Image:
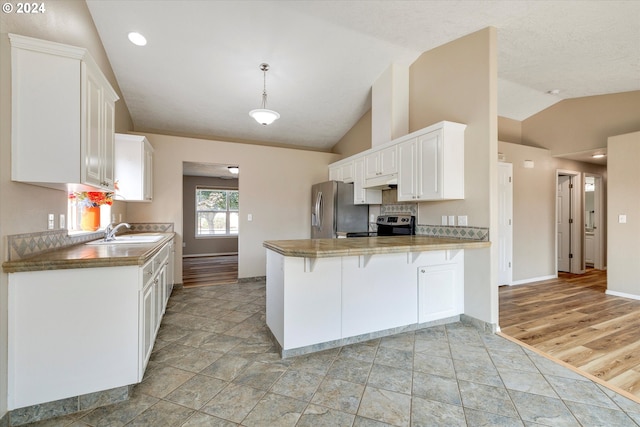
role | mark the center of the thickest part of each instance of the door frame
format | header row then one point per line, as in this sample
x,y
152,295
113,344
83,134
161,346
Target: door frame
x,y
598,234
507,168
576,266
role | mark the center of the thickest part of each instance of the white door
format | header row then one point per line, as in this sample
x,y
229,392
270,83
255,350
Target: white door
x,y
505,223
563,216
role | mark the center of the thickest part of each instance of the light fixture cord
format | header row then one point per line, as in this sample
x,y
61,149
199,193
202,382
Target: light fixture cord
x,y
264,90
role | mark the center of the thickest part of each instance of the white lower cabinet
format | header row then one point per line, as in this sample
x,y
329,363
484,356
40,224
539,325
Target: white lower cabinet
x,y
441,286
78,331
318,300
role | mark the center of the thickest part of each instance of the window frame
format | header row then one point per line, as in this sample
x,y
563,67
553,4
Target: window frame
x,y
228,212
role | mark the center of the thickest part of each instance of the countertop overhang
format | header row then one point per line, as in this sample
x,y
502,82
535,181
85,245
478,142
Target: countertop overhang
x,y
89,256
324,248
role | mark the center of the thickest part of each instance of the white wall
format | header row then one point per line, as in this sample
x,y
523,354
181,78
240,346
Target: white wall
x,y
623,268
275,187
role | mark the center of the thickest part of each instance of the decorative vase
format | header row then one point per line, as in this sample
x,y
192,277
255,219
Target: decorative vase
x,y
90,220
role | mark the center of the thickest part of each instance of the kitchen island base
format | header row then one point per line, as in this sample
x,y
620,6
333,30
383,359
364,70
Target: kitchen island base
x,y
318,303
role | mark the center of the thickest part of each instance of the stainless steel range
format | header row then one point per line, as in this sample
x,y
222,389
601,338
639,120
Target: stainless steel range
x,y
391,225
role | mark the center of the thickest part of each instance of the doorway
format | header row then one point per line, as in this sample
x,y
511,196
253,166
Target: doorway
x,y
593,221
210,223
569,230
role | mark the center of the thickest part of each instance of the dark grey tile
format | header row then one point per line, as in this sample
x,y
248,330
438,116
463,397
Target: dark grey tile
x,y
226,367
487,398
401,359
542,410
477,418
512,360
337,394
185,358
429,413
592,415
275,410
386,406
234,402
163,381
427,363
197,391
320,416
388,378
529,382
352,370
121,413
298,384
403,341
580,391
260,375
162,414
477,372
199,419
434,387
365,351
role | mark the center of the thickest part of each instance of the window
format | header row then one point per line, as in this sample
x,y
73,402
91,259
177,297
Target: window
x,y
216,212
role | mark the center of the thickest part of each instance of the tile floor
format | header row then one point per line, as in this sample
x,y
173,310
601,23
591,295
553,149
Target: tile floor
x,y
214,365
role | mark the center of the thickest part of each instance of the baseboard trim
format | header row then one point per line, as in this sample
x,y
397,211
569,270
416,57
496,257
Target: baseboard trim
x,y
533,279
622,294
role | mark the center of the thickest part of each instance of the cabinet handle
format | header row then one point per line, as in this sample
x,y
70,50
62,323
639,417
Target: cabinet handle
x,y
148,273
422,271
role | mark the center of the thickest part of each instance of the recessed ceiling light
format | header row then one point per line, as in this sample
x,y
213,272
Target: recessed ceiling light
x,y
137,39
553,91
598,156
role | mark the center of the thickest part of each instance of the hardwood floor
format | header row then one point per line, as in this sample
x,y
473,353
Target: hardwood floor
x,y
209,270
572,319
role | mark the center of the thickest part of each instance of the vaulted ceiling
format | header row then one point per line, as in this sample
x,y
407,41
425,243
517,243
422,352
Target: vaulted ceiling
x,y
199,73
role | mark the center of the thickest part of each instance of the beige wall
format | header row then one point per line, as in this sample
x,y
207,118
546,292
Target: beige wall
x,y
509,130
534,208
357,139
623,269
65,22
457,82
275,188
207,245
582,124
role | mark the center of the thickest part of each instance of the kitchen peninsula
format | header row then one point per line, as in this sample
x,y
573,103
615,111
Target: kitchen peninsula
x,y
323,293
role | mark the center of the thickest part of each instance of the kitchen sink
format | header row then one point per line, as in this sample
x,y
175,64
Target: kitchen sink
x,y
129,239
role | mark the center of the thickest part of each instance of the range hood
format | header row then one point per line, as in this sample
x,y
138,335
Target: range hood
x,y
381,182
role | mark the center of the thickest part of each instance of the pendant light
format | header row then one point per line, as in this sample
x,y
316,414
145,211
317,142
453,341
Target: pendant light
x,y
263,115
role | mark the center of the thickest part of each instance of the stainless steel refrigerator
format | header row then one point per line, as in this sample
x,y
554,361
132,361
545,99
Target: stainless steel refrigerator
x,y
333,211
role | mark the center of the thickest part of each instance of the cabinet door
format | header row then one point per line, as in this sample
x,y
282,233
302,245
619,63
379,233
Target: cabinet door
x,y
147,326
335,173
372,165
148,173
108,145
363,196
429,184
440,291
93,132
347,172
407,170
389,160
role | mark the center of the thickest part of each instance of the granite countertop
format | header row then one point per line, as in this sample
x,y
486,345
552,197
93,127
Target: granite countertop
x,y
89,256
323,248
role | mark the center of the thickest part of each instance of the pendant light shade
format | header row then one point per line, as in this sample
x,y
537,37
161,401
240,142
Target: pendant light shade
x,y
263,115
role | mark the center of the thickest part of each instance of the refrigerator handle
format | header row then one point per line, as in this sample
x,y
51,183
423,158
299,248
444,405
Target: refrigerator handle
x,y
315,215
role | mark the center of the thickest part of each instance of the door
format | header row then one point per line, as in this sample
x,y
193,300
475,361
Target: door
x,y
505,226
563,218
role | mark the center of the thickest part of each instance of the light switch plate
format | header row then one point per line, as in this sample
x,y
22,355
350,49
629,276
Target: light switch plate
x,y
622,219
444,220
462,220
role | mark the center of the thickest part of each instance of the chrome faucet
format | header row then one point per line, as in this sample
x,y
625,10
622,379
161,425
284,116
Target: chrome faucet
x,y
110,231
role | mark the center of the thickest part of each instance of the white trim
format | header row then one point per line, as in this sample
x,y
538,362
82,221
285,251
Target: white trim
x,y
533,279
622,294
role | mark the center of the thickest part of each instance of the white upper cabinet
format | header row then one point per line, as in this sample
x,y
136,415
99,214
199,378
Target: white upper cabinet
x,y
382,162
431,164
62,117
134,168
361,195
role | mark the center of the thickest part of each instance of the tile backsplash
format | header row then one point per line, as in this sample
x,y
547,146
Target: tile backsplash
x,y
451,232
29,244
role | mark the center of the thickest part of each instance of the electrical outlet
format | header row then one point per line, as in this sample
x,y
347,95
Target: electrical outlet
x,y
462,220
249,217
452,220
50,222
